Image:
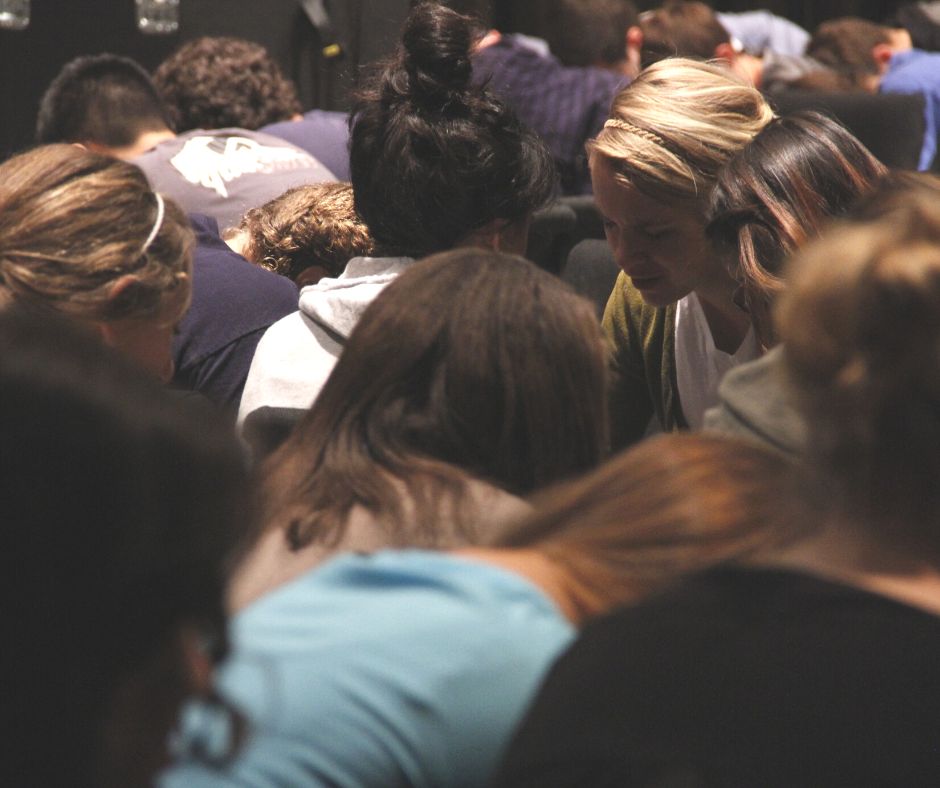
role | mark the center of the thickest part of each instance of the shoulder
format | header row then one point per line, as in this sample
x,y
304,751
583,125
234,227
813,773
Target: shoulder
x,y
290,365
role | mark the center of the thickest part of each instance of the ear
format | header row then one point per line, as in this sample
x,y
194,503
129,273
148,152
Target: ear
x,y
121,285
634,40
881,54
725,51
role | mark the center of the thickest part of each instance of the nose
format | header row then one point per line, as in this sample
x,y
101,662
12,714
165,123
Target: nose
x,y
629,251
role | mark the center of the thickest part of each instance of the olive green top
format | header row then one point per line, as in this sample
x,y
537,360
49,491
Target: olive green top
x,y
644,384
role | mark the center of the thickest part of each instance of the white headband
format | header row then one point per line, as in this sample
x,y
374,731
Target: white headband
x,y
157,223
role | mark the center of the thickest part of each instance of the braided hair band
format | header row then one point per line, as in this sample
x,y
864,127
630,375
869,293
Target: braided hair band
x,y
626,125
157,223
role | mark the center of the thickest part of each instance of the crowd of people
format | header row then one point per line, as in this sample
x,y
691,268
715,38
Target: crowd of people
x,y
313,479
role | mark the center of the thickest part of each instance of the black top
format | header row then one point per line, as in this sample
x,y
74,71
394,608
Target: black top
x,y
741,677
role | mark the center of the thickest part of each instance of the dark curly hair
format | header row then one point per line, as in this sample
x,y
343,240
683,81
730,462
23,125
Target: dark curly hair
x,y
434,157
217,82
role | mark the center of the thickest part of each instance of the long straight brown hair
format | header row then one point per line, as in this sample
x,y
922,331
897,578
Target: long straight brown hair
x,y
471,364
669,506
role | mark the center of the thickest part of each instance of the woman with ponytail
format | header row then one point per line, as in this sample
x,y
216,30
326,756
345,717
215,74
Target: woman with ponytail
x,y
436,162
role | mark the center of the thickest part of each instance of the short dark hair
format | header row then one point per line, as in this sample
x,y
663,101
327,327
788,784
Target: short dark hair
x,y
590,32
123,511
434,157
105,99
472,363
680,28
217,82
846,44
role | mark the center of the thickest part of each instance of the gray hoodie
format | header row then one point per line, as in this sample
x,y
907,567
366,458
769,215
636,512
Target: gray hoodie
x,y
296,355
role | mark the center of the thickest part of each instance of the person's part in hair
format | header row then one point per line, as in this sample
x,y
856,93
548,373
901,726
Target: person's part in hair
x,y
654,163
493,619
84,235
129,509
442,382
870,394
591,32
234,303
781,190
222,82
305,234
105,102
434,158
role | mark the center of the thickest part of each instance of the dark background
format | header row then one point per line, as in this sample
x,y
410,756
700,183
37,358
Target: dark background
x,y
366,29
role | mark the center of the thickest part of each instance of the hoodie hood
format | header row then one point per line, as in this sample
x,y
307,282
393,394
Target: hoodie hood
x,y
337,304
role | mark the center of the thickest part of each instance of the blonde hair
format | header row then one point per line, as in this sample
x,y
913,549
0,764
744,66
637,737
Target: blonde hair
x,y
673,127
73,223
860,320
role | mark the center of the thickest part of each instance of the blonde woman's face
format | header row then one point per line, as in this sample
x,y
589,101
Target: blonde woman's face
x,y
661,247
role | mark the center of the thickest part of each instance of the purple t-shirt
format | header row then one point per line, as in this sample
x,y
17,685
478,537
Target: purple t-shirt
x,y
565,105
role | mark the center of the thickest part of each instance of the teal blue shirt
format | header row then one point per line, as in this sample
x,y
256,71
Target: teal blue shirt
x,y
400,668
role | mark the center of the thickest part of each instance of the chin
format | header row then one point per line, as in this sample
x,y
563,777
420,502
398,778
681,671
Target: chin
x,y
660,294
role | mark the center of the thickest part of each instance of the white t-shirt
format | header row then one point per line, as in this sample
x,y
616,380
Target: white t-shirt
x,y
700,366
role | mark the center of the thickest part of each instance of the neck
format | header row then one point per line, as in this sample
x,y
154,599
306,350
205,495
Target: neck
x,y
846,555
727,323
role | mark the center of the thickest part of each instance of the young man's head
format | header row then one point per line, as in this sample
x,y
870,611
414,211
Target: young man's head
x,y
217,82
679,28
105,102
857,48
591,32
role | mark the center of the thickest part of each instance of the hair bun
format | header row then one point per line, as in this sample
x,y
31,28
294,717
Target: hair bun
x,y
436,54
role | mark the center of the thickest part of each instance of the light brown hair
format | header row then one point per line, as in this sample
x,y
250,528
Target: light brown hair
x,y
471,364
667,507
74,223
306,226
861,325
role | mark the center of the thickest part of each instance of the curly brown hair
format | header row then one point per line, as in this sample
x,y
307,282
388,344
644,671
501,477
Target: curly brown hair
x,y
217,82
306,226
